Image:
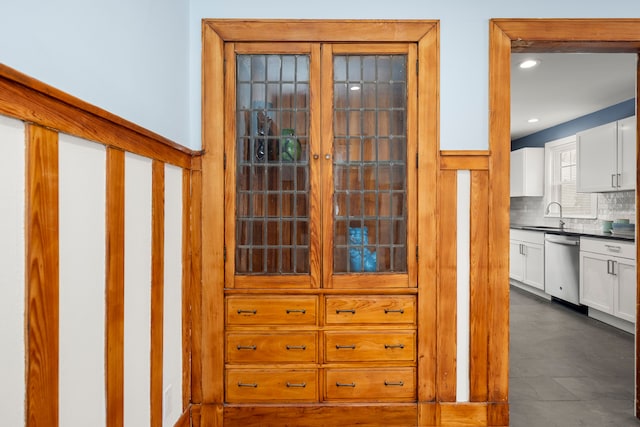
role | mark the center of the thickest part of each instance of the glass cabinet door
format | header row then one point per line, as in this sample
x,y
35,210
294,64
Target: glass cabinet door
x,y
370,161
272,215
335,206
369,220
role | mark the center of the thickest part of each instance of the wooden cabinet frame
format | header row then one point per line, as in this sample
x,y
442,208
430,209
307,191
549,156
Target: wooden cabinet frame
x,y
217,121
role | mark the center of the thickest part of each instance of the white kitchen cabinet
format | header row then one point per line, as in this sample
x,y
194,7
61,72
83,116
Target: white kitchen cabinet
x,y
606,157
527,172
608,277
526,262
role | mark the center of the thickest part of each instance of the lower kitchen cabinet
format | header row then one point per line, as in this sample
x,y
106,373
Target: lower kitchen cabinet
x,y
608,277
526,252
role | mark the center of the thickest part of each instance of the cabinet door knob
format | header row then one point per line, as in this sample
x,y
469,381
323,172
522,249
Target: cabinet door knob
x,y
327,156
246,347
254,385
345,384
302,385
401,346
346,347
296,347
316,156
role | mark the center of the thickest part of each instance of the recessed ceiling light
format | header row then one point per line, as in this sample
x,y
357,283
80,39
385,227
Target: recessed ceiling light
x,y
529,63
533,120
355,87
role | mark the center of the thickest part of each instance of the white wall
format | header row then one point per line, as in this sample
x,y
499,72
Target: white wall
x,y
127,57
464,45
145,54
82,383
12,274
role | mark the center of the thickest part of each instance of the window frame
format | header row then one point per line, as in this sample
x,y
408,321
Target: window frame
x,y
552,149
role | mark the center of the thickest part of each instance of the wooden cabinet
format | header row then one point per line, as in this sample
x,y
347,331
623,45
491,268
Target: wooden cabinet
x,y
606,157
608,277
320,225
526,257
527,172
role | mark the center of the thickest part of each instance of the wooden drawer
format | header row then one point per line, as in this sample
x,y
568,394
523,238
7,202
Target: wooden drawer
x,y
280,347
271,385
349,310
285,310
371,384
369,346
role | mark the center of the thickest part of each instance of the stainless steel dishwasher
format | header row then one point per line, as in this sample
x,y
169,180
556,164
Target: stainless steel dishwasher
x,y
562,267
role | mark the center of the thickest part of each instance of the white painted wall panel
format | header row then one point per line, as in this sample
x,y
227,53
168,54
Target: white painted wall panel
x,y
172,343
463,291
12,283
82,282
137,291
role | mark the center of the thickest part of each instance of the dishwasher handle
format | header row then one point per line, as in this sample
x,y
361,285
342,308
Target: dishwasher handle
x,y
562,240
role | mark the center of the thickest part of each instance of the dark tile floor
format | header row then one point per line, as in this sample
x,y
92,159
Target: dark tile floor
x,y
567,369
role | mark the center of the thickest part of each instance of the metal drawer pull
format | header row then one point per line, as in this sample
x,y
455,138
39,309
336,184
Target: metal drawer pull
x,y
345,384
613,248
247,311
348,347
352,311
254,385
387,311
394,346
302,311
391,383
296,347
246,347
302,385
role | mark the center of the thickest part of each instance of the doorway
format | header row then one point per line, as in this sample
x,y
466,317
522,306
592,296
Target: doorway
x,y
546,35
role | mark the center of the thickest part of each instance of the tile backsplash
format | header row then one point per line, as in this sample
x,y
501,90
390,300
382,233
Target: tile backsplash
x,y
530,211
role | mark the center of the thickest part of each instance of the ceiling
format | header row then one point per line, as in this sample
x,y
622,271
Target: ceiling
x,y
565,86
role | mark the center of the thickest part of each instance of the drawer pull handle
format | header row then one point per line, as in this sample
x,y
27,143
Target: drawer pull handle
x,y
301,385
352,311
253,385
301,311
388,310
346,347
612,248
345,384
296,347
391,383
246,347
394,346
250,312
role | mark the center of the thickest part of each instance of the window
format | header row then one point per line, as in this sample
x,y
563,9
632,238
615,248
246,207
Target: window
x,y
560,181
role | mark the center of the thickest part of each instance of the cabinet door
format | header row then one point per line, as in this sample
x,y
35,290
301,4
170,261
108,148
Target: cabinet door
x,y
368,170
597,158
516,260
625,291
596,287
534,265
516,188
627,154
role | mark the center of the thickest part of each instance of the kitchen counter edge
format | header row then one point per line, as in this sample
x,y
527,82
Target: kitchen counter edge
x,y
571,232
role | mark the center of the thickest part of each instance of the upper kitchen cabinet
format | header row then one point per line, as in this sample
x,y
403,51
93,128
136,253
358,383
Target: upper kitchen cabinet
x,y
607,158
527,172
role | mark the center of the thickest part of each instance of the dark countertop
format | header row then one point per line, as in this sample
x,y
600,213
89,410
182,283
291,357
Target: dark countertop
x,y
572,232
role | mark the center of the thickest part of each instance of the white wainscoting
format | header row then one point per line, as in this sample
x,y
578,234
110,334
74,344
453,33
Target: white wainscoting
x,y
463,289
12,273
172,340
82,175
137,291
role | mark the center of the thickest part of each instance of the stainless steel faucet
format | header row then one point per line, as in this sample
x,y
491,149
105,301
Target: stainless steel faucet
x,y
559,206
